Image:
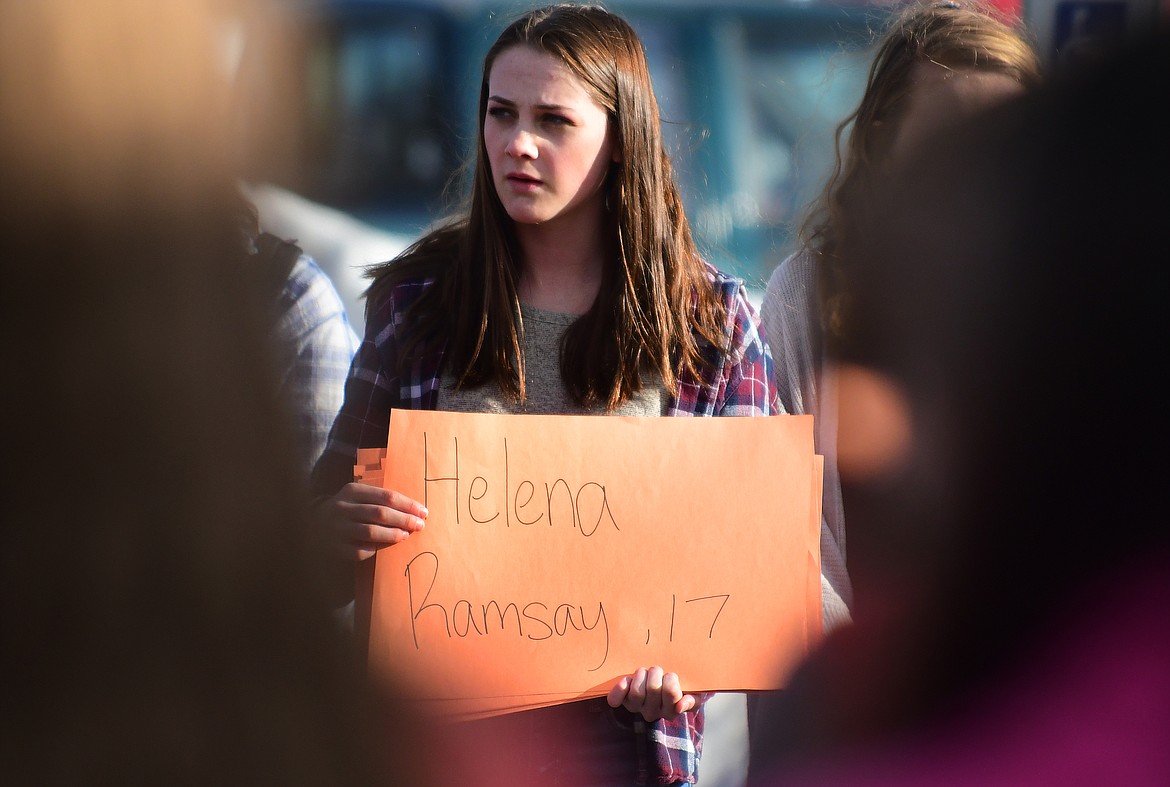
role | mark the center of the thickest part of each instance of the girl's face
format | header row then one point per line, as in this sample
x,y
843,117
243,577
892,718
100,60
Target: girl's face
x,y
548,141
942,97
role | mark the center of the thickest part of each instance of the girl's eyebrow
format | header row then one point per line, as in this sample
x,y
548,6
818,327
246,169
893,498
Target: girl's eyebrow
x,y
541,107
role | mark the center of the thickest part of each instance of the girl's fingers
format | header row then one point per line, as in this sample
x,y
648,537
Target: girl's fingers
x,y
617,695
671,690
652,692
636,696
364,494
366,518
378,516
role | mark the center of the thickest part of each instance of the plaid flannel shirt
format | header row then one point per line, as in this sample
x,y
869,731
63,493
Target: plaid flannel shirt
x,y
315,346
738,382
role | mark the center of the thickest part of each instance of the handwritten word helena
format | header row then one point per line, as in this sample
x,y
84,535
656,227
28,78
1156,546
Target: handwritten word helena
x,y
589,505
464,618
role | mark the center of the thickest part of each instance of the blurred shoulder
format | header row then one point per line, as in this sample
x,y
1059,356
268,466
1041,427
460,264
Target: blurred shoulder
x,y
793,279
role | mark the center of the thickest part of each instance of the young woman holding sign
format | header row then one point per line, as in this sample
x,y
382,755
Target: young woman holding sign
x,y
569,285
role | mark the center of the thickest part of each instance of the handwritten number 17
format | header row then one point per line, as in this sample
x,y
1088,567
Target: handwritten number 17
x,y
722,598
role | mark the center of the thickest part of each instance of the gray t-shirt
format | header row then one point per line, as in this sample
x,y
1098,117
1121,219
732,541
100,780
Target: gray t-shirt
x,y
546,392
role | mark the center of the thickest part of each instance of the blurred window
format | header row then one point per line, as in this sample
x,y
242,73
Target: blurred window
x,y
805,81
750,101
378,118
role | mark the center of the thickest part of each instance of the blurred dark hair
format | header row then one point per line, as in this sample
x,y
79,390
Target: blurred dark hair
x,y
1011,284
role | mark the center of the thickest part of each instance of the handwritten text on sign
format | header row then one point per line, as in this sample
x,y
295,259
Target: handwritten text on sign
x,y
562,552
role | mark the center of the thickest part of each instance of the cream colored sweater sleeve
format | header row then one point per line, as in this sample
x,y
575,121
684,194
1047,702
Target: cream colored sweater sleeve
x,y
791,316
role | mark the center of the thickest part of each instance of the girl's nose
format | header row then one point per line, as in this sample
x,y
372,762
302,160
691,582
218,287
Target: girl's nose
x,y
522,145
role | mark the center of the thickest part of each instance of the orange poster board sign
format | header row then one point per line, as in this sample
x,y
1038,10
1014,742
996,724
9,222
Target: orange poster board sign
x,y
563,552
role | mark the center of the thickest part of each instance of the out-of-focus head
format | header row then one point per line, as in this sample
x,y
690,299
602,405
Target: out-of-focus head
x,y
937,58
941,98
938,63
92,92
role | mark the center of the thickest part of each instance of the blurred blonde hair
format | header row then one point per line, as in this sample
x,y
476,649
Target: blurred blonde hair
x,y
90,91
960,35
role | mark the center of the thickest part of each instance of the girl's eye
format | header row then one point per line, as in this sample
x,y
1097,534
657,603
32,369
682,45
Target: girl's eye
x,y
557,120
500,113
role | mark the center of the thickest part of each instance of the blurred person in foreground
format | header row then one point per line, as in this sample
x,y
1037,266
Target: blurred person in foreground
x,y
1004,441
937,63
161,602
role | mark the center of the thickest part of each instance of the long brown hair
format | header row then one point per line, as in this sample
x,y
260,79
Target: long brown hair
x,y
958,35
655,301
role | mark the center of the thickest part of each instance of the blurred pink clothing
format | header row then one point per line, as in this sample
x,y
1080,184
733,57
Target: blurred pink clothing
x,y
1092,708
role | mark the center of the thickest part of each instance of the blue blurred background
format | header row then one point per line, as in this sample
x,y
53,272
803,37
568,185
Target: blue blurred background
x,y
376,101
380,99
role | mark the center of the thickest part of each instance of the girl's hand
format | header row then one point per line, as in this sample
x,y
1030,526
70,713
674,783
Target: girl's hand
x,y
363,519
653,693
